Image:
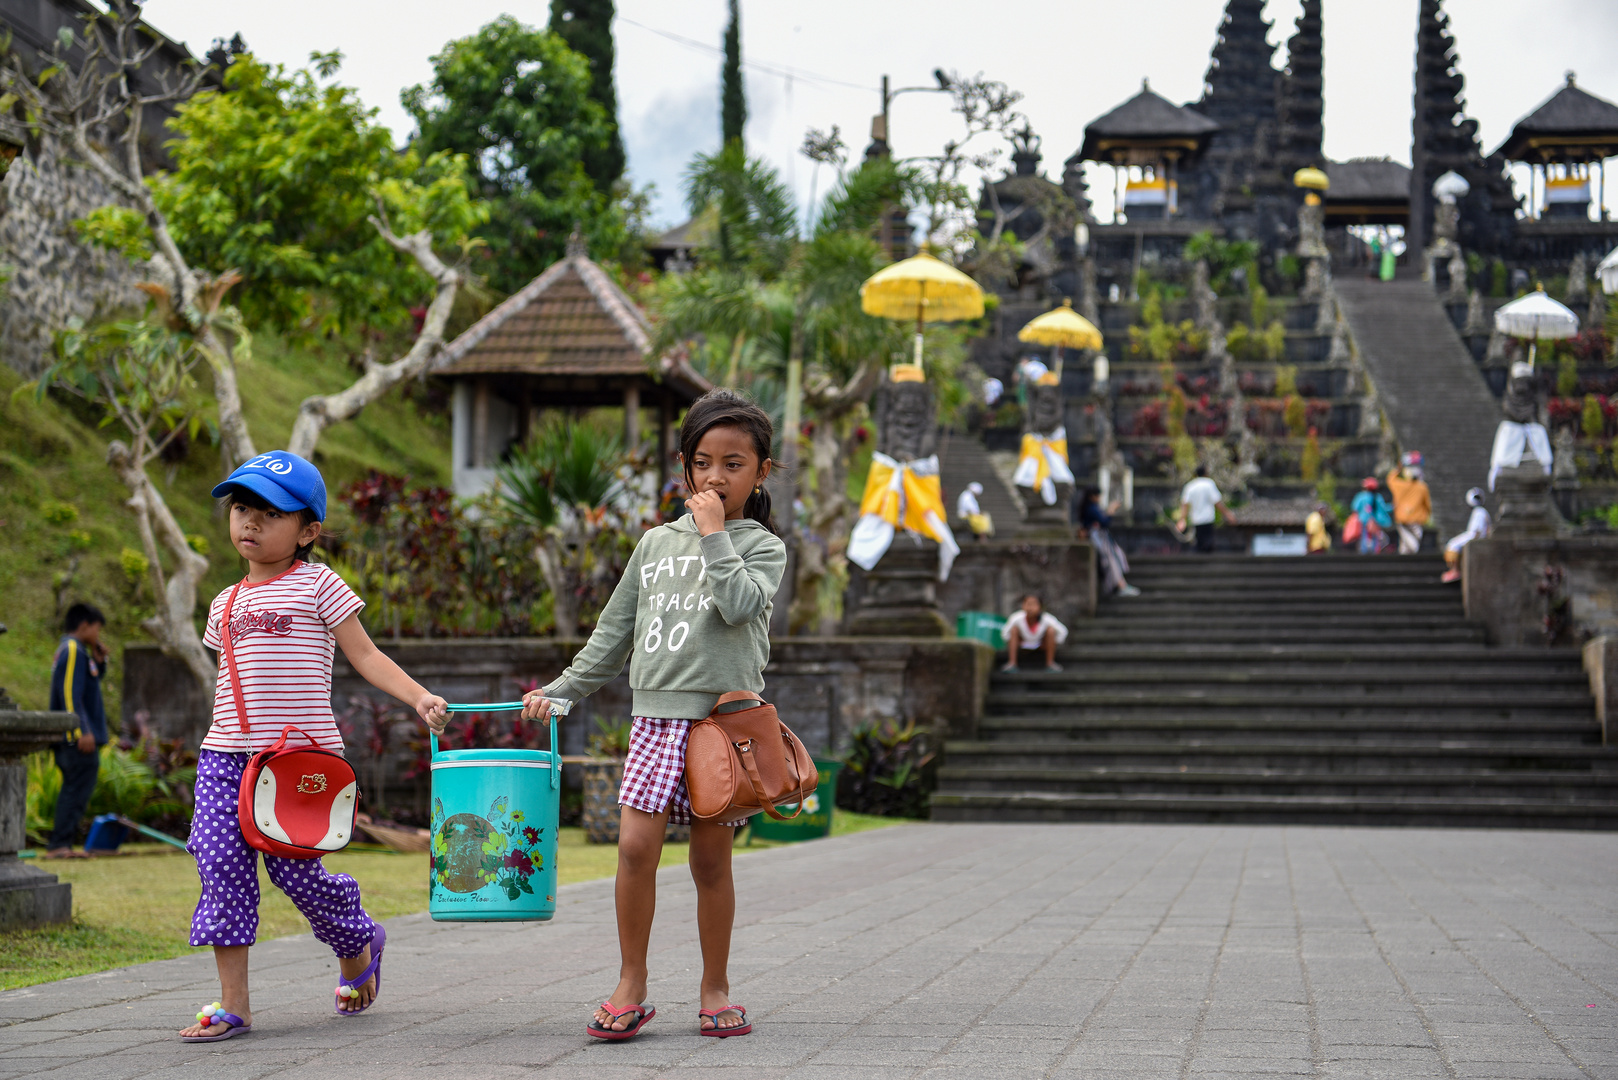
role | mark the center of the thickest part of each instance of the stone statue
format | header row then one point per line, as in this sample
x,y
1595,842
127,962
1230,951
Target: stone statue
x,y
899,595
1312,248
1044,412
1578,280
1045,499
1520,428
906,420
1565,469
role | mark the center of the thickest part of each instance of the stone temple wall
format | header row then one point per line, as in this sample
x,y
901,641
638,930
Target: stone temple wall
x,y
54,275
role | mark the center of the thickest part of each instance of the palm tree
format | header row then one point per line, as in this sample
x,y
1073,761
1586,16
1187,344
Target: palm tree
x,y
775,300
561,483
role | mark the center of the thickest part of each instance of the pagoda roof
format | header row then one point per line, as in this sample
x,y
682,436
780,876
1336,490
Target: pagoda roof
x,y
1571,125
571,321
1367,180
1145,120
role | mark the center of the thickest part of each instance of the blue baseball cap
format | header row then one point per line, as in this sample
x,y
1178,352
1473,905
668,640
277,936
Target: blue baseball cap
x,y
285,481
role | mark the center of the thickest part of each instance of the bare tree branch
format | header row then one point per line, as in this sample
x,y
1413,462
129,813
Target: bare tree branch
x,y
318,413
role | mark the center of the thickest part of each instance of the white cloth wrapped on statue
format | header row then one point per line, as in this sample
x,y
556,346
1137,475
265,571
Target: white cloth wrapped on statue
x,y
1510,439
1042,463
906,495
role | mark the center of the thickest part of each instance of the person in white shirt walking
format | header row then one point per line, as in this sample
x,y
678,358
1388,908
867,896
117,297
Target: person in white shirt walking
x,y
1033,628
1202,504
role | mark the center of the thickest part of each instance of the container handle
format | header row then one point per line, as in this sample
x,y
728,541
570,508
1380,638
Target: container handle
x,y
557,709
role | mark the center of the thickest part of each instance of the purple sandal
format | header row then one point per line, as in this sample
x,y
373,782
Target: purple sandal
x,y
379,941
212,1016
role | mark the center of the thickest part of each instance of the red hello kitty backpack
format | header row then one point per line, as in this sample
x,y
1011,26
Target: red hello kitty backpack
x,y
298,802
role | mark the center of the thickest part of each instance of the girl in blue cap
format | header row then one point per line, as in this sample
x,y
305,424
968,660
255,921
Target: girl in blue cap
x,y
285,619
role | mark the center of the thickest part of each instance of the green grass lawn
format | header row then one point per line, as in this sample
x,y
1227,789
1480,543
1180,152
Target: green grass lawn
x,y
137,906
53,452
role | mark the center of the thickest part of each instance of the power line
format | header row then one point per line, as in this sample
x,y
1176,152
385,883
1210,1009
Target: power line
x,y
778,70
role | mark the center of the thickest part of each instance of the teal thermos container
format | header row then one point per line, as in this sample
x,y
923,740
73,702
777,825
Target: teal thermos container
x,y
494,822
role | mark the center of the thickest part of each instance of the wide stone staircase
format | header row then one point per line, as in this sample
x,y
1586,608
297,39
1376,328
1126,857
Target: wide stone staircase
x,y
1428,384
1337,689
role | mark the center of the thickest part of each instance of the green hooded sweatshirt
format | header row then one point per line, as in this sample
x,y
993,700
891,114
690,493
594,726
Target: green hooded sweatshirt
x,y
692,616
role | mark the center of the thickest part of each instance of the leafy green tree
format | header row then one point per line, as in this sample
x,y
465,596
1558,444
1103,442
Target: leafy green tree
x,y
277,178
586,26
787,310
733,94
749,212
141,374
517,102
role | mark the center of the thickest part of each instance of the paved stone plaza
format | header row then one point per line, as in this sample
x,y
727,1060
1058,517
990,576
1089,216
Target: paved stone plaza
x,y
960,951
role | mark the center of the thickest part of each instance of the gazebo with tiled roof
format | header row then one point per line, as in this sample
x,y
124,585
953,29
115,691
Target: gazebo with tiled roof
x,y
569,339
1565,140
1154,134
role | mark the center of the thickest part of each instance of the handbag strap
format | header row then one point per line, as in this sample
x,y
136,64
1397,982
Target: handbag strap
x,y
745,751
737,695
242,726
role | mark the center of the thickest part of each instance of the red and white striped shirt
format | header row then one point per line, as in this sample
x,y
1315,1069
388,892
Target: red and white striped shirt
x,y
282,636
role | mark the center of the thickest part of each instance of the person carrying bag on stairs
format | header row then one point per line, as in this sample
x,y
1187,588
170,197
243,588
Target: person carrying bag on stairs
x,y
691,616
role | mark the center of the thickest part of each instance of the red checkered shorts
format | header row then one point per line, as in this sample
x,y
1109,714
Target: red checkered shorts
x,y
654,774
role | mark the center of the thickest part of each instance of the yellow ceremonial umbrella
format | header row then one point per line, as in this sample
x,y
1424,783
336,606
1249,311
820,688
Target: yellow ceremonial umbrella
x,y
1061,328
923,288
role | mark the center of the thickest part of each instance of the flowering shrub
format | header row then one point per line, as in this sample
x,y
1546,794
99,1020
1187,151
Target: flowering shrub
x,y
428,568
1268,416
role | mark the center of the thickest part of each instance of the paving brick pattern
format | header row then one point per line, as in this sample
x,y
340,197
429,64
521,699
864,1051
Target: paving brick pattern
x,y
961,952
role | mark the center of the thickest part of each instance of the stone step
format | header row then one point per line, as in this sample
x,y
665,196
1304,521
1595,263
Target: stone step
x,y
1240,612
1118,631
1328,653
1176,728
1415,783
1428,384
1217,589
1459,753
1482,702
1083,678
1307,809
1306,565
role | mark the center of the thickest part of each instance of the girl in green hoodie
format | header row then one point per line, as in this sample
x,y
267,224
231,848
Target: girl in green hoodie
x,y
692,617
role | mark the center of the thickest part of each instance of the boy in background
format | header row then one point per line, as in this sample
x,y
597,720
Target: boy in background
x,y
81,661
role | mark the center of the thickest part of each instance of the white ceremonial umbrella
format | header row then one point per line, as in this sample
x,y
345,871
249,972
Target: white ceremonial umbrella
x,y
1608,272
1538,318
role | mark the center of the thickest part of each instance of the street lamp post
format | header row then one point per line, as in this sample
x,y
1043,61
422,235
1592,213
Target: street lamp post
x,y
881,147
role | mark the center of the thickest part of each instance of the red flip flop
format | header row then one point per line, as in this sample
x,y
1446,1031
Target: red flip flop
x,y
644,1014
723,1033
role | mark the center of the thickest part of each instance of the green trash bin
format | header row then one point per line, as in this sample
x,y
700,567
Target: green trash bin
x,y
984,626
815,821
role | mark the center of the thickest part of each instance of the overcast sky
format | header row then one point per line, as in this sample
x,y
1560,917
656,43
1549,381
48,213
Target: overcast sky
x,y
818,64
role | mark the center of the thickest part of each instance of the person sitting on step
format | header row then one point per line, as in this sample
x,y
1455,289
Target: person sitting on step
x,y
1033,628
1477,527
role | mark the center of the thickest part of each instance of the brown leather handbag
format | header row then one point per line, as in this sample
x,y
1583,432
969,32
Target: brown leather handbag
x,y
739,763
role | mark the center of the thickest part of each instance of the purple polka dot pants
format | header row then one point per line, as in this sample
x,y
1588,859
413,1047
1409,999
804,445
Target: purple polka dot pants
x,y
227,912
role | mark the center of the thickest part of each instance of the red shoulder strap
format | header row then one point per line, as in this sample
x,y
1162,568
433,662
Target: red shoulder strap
x,y
230,662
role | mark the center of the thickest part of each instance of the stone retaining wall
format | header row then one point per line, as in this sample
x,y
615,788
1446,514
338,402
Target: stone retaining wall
x,y
55,276
824,688
993,575
1503,574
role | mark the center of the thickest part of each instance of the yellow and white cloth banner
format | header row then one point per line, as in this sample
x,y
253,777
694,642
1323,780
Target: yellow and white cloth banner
x,y
1043,463
908,495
